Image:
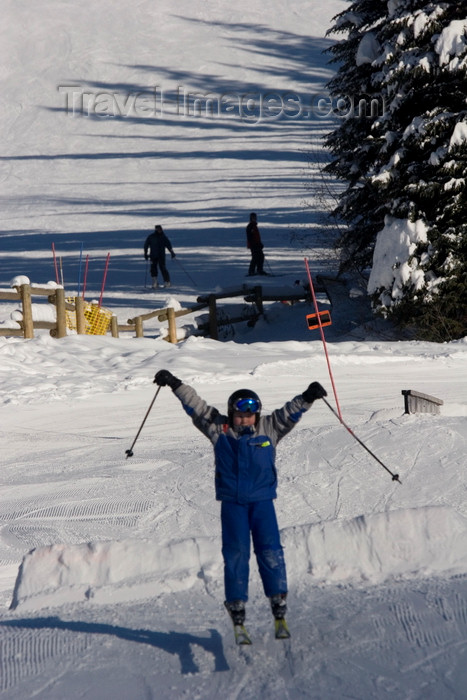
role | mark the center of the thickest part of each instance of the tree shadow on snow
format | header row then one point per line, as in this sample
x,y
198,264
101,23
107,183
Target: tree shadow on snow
x,y
176,643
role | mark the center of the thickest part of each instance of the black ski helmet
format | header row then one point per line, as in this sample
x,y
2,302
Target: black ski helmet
x,y
241,395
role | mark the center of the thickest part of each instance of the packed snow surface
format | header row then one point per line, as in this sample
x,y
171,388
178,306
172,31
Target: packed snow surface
x,y
110,567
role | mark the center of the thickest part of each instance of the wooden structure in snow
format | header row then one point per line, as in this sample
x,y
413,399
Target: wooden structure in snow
x,y
416,402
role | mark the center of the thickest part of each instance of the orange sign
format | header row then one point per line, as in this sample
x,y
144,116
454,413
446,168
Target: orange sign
x,y
313,321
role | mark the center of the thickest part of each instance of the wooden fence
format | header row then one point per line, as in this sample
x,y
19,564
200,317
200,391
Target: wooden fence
x,y
66,308
24,293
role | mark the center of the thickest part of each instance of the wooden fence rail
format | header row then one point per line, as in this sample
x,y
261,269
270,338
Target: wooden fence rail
x,y
64,305
27,324
24,293
169,314
58,328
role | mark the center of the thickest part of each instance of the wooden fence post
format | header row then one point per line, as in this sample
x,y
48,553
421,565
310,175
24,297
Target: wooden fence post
x,y
172,325
61,312
213,317
259,299
139,327
80,319
28,326
114,326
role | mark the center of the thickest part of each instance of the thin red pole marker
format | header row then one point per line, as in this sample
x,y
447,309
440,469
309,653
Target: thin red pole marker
x,y
105,276
338,414
315,303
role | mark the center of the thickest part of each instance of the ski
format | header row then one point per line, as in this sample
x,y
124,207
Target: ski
x,y
281,629
269,274
241,635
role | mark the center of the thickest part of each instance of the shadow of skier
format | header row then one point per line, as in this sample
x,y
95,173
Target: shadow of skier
x,y
176,643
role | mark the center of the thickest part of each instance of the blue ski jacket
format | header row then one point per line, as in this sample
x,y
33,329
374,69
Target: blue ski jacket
x,y
245,469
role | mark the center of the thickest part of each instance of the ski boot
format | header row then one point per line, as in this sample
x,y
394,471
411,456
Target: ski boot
x,y
279,605
279,608
236,610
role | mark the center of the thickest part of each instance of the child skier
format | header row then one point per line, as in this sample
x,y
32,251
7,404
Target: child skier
x,y
245,480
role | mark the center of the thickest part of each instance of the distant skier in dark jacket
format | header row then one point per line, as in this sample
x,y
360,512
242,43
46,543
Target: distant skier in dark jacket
x,y
245,480
255,244
154,248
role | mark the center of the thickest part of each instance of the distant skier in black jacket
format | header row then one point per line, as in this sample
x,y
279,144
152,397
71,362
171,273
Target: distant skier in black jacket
x,y
154,248
254,243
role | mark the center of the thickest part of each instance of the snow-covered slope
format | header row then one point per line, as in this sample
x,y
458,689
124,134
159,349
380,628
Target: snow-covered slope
x,y
102,136
110,568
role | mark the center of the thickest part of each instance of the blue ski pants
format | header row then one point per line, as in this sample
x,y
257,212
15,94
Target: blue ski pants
x,y
238,521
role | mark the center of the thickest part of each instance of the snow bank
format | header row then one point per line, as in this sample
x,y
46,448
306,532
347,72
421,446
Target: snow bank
x,y
373,548
411,542
395,245
112,571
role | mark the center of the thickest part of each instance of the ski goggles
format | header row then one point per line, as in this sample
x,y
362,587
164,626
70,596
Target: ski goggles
x,y
247,406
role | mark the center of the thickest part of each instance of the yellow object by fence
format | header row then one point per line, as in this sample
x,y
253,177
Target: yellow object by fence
x,y
96,319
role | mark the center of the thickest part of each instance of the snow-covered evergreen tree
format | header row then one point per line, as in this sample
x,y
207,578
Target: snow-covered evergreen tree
x,y
405,166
